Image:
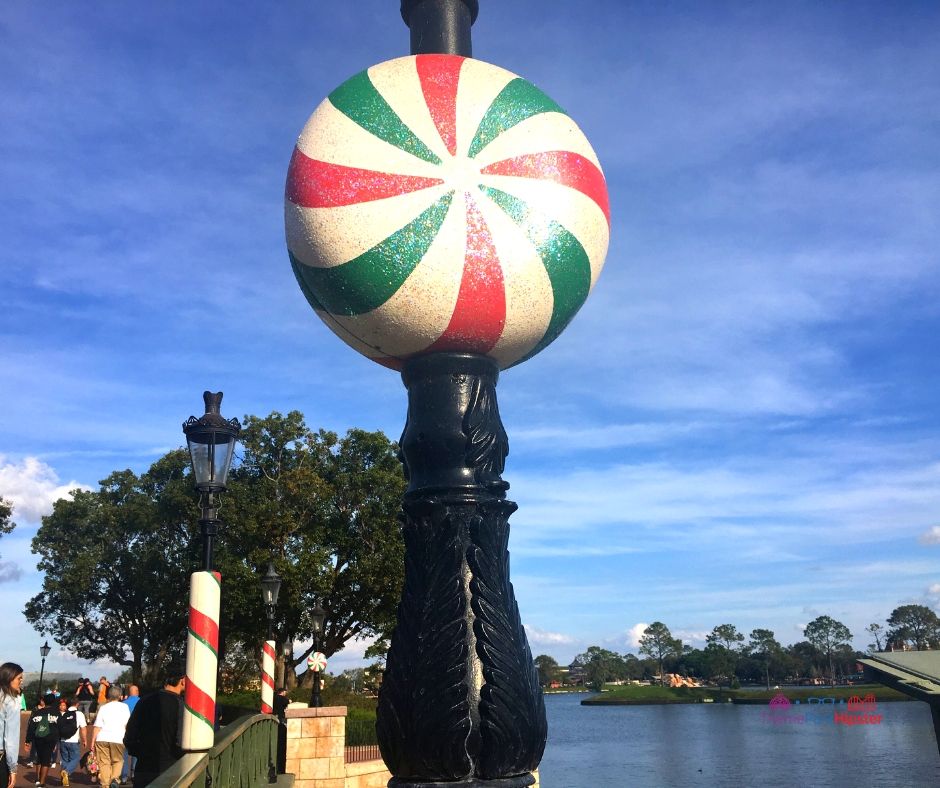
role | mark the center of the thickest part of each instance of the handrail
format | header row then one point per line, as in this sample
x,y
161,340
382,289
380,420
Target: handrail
x,y
221,766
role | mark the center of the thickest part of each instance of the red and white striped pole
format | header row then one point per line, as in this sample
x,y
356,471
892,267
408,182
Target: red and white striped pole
x,y
267,677
202,662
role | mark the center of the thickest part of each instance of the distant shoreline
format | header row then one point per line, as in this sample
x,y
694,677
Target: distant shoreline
x,y
663,696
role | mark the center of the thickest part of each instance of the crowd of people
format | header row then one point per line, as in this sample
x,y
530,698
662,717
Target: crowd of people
x,y
111,732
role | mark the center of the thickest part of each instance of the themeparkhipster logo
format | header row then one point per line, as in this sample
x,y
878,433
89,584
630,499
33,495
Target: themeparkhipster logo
x,y
859,711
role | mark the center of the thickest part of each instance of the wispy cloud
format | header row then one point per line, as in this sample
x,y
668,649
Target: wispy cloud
x,y
541,637
931,535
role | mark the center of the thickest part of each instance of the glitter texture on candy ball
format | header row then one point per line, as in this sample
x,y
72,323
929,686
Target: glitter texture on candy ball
x,y
439,203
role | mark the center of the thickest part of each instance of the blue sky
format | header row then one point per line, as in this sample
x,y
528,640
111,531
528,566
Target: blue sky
x,y
740,426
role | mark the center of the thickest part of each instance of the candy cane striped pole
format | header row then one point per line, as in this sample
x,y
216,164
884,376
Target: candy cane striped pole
x,y
202,662
267,677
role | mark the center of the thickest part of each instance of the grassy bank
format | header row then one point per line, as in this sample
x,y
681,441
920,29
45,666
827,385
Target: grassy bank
x,y
238,704
641,695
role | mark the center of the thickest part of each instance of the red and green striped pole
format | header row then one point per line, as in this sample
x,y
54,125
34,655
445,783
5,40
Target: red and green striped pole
x,y
202,662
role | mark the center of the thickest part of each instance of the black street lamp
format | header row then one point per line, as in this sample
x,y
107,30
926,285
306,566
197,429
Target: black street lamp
x,y
211,441
317,615
270,588
44,650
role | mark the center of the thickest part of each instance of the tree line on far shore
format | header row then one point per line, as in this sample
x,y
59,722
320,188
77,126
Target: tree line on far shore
x,y
731,658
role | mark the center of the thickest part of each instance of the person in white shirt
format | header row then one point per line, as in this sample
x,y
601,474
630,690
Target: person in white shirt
x,y
107,738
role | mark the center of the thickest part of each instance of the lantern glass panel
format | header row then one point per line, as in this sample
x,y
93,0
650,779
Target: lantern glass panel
x,y
211,453
270,586
316,620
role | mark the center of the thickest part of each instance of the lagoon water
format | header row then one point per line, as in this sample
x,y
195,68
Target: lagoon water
x,y
736,746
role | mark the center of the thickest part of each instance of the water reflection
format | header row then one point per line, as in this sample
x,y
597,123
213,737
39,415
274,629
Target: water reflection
x,y
729,745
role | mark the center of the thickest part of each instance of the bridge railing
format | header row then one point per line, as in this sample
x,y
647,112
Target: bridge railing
x,y
244,756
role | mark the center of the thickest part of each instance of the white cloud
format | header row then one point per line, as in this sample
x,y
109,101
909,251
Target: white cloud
x,y
32,486
542,637
635,633
934,589
931,536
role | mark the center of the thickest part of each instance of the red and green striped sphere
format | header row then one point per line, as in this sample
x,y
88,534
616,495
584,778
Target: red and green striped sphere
x,y
439,203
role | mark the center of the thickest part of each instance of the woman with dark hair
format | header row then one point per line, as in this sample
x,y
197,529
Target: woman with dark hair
x,y
11,681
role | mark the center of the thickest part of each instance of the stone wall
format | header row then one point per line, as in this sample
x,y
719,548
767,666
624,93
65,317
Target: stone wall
x,y
316,741
316,748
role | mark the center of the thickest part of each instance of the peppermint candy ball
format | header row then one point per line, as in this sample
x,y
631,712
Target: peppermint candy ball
x,y
439,203
317,661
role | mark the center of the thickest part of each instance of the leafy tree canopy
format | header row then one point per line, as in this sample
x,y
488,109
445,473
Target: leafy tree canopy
x,y
548,668
6,517
914,625
322,508
829,636
658,643
601,665
116,564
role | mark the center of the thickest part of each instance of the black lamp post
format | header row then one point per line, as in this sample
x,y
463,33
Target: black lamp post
x,y
44,650
317,615
211,441
270,588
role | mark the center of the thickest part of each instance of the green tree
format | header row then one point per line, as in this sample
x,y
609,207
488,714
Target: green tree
x,y
724,644
877,631
116,563
6,526
916,625
325,510
600,666
6,517
765,647
548,668
827,635
117,560
658,643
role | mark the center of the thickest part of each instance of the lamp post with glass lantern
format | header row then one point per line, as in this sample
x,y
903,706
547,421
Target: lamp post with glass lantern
x,y
270,587
317,660
211,442
44,650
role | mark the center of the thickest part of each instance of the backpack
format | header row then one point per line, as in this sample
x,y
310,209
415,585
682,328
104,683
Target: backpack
x,y
68,725
43,728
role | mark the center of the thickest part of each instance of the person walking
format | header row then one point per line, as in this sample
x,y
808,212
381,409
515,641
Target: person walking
x,y
127,772
11,683
153,731
43,733
85,697
72,725
107,738
103,685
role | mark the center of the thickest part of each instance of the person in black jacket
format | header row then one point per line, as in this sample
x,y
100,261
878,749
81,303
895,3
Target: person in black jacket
x,y
43,733
152,734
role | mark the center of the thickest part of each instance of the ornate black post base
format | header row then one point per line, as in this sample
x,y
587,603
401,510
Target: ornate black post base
x,y
460,702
